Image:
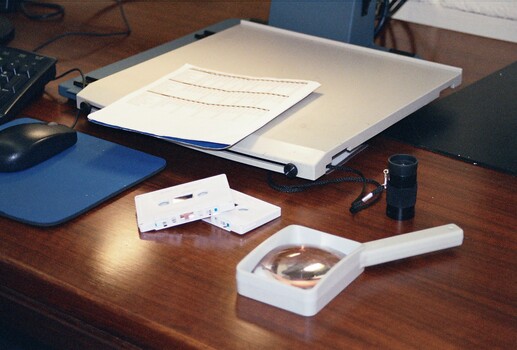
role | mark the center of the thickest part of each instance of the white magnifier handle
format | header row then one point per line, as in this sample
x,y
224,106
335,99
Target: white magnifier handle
x,y
411,244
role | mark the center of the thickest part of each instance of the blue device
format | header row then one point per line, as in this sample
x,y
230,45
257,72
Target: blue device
x,y
350,21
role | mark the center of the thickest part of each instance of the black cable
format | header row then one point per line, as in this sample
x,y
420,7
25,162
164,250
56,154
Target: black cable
x,y
127,31
386,9
54,10
382,17
70,71
84,108
395,6
363,201
367,201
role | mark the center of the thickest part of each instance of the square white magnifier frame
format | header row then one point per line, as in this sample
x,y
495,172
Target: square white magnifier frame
x,y
253,283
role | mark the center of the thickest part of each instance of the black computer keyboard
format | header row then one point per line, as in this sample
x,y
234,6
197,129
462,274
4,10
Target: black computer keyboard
x,y
23,76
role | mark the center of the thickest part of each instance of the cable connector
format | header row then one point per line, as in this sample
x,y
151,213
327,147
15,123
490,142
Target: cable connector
x,y
362,203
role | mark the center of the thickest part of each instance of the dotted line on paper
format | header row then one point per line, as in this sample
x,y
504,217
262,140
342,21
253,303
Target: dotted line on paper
x,y
230,91
208,104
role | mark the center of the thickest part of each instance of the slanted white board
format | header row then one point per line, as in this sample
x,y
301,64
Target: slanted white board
x,y
363,91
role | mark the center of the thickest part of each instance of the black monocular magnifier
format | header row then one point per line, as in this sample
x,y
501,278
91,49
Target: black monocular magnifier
x,y
401,187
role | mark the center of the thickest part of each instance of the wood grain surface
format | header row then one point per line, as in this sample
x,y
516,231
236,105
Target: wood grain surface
x,y
95,282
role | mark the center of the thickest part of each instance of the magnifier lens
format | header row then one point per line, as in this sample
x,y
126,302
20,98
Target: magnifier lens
x,y
299,266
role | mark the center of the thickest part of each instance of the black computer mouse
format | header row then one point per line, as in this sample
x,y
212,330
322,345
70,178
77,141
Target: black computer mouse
x,y
25,145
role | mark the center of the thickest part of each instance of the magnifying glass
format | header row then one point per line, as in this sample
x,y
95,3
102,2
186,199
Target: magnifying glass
x,y
300,269
299,266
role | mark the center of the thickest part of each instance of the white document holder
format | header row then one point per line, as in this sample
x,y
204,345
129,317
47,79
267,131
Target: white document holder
x,y
363,91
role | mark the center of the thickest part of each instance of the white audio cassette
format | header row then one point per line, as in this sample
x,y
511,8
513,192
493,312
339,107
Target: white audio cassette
x,y
183,203
248,214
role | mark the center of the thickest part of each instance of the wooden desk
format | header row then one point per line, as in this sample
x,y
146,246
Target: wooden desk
x,y
94,283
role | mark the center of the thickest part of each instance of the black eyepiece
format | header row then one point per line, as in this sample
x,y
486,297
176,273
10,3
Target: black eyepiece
x,y
401,187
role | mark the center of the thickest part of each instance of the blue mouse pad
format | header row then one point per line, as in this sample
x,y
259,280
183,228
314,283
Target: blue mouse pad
x,y
74,181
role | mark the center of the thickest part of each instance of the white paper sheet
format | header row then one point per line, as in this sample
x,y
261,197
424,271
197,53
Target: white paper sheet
x,y
204,108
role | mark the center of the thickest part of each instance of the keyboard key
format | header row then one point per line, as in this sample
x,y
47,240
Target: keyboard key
x,y
23,76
